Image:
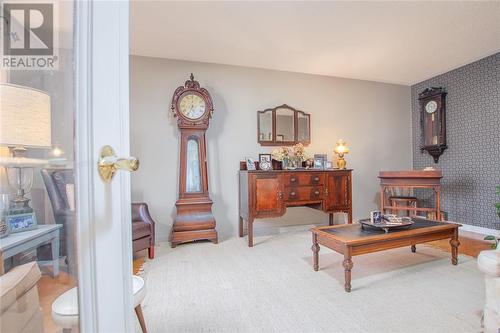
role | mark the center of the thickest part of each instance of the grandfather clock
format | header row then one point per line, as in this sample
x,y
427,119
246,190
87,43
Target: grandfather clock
x,y
433,121
193,108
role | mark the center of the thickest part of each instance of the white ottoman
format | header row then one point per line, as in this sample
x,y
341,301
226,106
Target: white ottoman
x,y
489,263
65,307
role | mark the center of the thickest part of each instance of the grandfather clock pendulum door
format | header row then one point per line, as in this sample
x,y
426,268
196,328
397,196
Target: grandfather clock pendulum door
x,y
193,108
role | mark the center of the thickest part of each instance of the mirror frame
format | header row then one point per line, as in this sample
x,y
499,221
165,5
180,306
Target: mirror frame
x,y
273,142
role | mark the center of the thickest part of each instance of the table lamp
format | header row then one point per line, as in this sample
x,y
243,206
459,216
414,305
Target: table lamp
x,y
24,123
341,149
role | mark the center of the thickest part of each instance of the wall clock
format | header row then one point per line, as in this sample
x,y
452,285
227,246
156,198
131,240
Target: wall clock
x,y
433,121
193,108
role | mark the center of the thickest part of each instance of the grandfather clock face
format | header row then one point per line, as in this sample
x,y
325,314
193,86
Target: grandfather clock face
x,y
432,103
192,105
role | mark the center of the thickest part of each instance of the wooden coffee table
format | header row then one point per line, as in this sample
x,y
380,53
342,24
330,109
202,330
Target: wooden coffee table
x,y
351,240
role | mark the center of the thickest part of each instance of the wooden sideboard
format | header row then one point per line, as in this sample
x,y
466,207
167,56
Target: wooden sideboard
x,y
264,194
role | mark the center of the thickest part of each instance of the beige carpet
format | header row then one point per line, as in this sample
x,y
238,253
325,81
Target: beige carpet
x,y
272,288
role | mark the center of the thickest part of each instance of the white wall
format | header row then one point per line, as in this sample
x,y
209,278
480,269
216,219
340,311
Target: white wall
x,y
374,119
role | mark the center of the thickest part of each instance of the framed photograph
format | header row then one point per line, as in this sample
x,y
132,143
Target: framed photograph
x,y
21,222
265,162
375,216
319,161
250,163
328,165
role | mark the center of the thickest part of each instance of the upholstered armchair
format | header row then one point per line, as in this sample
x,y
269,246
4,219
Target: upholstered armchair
x,y
143,229
19,303
60,188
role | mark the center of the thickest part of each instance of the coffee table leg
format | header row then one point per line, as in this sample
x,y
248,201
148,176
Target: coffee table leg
x,y
54,246
347,268
315,249
454,242
413,248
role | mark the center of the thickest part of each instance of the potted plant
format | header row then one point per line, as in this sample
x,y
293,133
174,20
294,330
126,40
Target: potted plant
x,y
497,205
491,237
282,154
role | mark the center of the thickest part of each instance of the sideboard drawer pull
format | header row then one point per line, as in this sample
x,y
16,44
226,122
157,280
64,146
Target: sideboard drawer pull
x,y
316,192
292,194
293,180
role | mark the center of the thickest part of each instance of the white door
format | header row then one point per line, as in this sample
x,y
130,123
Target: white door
x,y
87,97
102,118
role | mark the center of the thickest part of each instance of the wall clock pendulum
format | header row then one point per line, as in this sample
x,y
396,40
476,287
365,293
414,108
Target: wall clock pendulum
x,y
193,108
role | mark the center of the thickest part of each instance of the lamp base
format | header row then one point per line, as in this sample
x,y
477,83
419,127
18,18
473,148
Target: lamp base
x,y
341,163
20,205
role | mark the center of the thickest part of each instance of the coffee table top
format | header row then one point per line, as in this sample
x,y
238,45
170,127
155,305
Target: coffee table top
x,y
351,234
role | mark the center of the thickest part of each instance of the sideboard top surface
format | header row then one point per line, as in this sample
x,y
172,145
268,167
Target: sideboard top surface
x,y
296,170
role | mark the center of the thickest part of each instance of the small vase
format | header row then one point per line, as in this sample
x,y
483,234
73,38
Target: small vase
x,y
285,163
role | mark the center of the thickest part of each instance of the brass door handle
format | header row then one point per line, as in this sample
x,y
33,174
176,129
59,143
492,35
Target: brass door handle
x,y
109,163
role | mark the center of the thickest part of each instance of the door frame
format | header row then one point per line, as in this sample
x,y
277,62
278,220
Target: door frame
x,y
104,277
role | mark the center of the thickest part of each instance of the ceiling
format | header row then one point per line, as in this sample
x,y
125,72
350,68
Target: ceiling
x,y
401,42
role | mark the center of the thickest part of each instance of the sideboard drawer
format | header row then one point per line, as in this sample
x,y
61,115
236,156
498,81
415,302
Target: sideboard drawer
x,y
304,178
304,193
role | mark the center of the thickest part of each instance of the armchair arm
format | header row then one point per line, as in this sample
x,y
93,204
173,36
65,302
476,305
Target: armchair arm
x,y
140,213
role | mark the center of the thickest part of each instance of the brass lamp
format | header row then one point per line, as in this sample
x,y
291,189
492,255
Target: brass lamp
x,y
341,149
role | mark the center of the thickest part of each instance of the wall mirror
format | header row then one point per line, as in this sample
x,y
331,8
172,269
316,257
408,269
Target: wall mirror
x,y
283,126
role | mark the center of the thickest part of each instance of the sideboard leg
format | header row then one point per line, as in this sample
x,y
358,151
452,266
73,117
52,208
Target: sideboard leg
x,y
250,232
413,248
330,219
315,249
240,227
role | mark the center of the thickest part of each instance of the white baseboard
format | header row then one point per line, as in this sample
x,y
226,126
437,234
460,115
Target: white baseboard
x,y
479,230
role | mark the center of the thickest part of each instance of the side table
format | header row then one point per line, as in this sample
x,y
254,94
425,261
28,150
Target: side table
x,y
31,239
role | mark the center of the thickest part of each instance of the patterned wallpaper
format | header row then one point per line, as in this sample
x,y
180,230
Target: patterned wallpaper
x,y
471,164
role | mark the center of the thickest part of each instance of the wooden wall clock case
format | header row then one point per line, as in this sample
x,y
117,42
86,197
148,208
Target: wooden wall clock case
x,y
193,108
433,121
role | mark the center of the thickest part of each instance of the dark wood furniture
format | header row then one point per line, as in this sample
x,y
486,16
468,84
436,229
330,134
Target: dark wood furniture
x,y
193,108
283,126
402,201
351,240
143,229
433,121
411,179
56,182
264,194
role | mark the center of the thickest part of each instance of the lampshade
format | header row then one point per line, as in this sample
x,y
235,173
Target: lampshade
x,y
24,117
341,147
